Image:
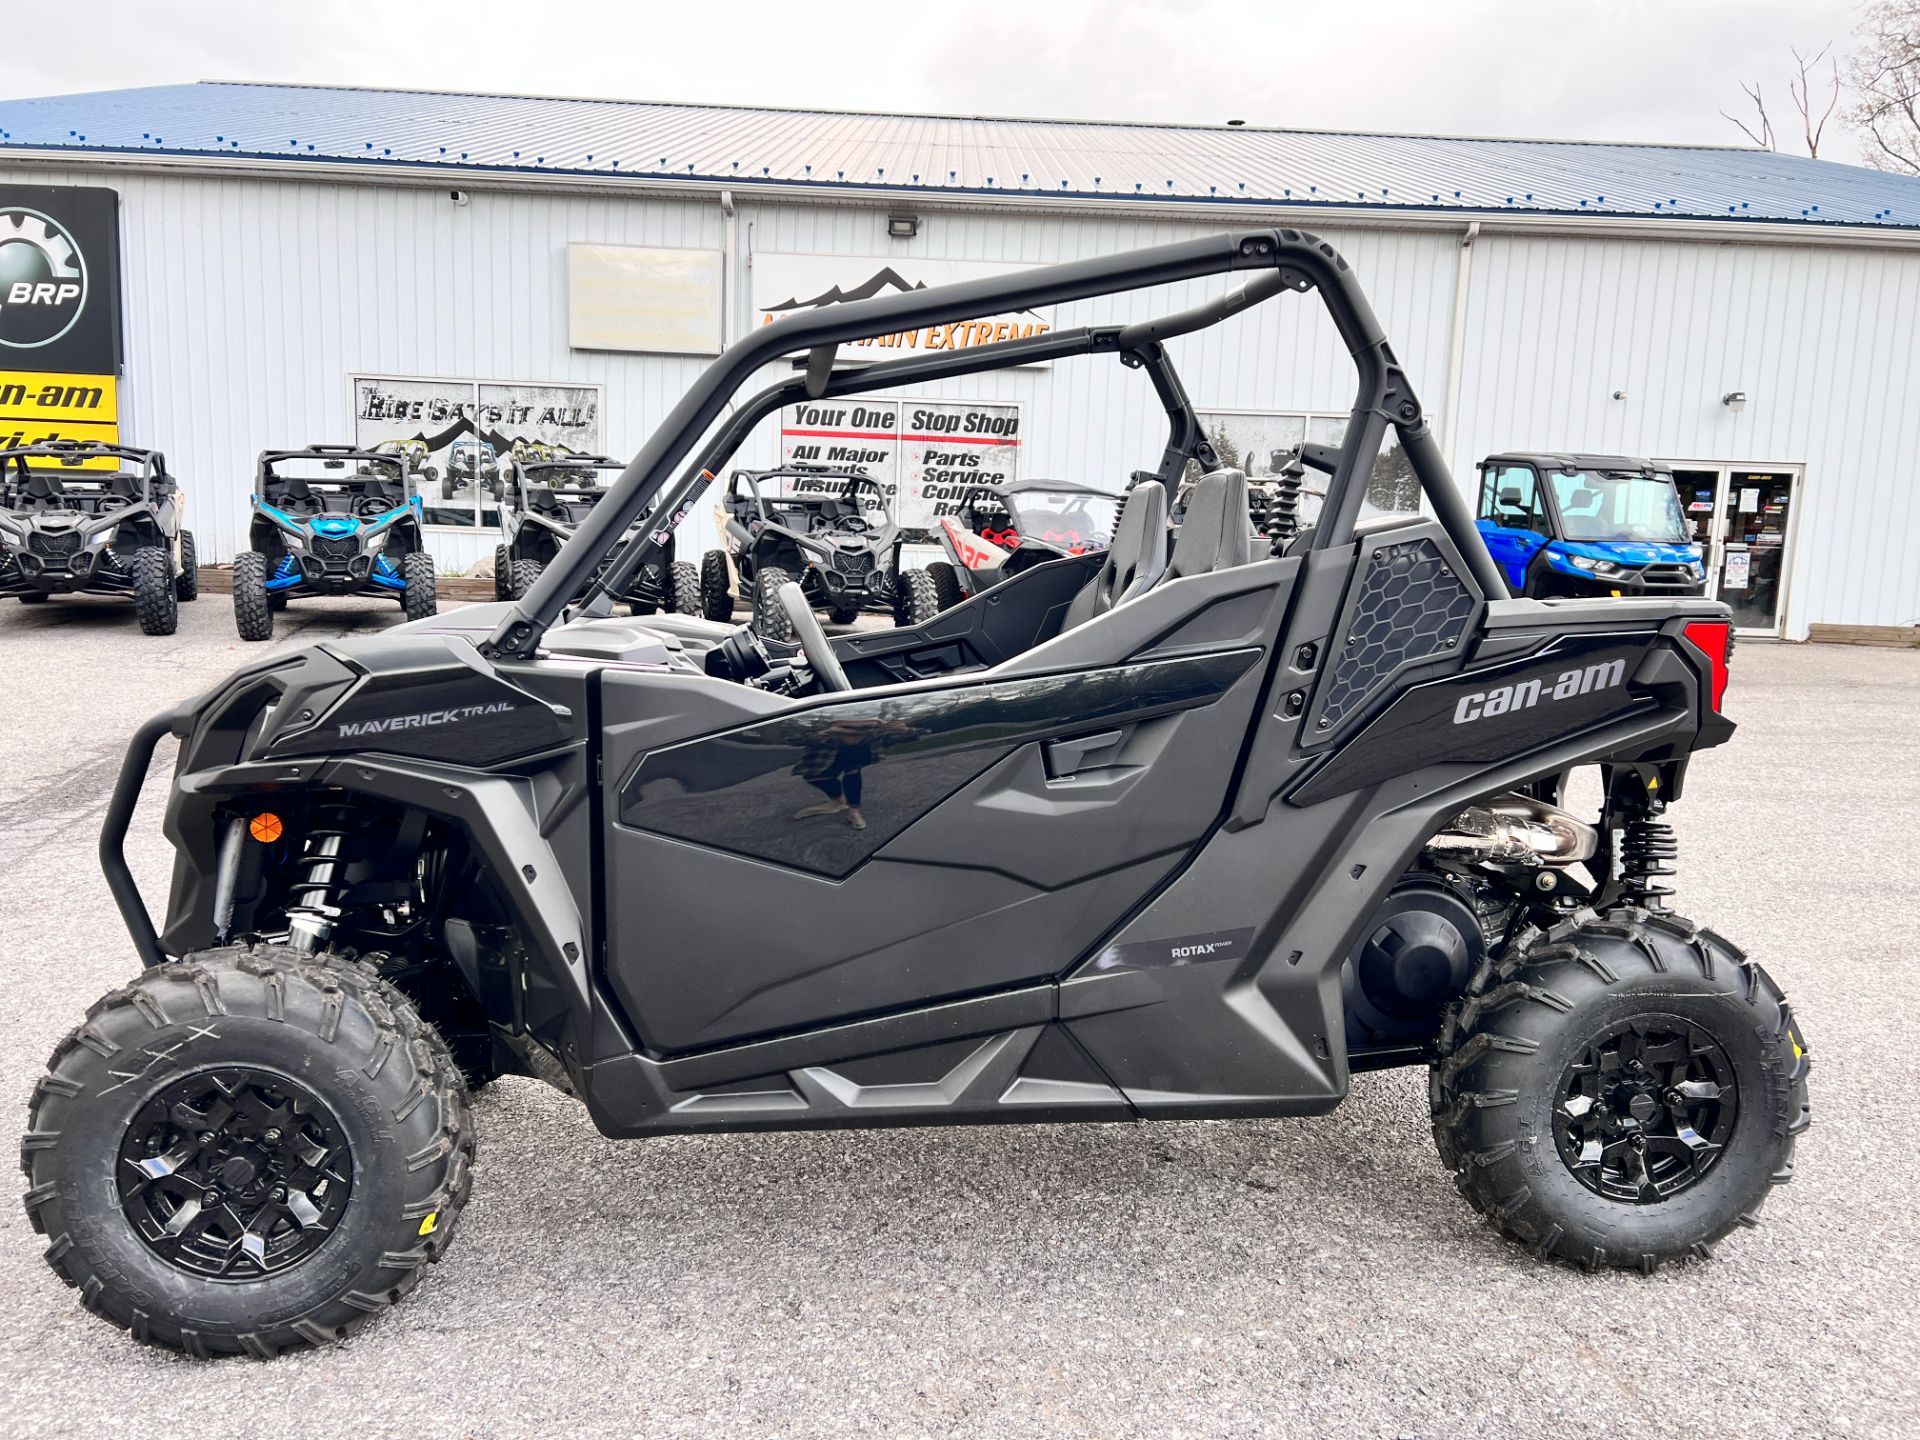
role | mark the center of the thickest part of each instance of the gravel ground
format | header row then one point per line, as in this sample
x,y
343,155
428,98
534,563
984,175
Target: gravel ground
x,y
1313,1277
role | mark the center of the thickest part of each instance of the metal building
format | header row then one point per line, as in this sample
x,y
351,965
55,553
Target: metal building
x,y
469,272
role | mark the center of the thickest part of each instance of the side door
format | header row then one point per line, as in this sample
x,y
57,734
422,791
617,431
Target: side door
x,y
776,866
1512,517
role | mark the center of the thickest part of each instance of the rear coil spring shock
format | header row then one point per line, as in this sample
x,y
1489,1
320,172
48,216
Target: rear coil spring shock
x,y
1283,511
1647,848
319,877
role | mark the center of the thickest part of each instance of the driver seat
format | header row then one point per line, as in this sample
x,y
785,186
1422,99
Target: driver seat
x,y
1134,562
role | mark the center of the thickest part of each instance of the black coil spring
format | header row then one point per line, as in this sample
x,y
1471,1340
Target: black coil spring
x,y
319,872
1647,848
1283,510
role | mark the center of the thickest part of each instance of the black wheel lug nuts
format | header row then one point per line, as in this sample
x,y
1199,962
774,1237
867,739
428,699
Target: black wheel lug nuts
x,y
212,1197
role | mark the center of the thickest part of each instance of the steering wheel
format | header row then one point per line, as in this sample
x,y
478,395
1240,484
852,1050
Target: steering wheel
x,y
371,505
813,640
850,525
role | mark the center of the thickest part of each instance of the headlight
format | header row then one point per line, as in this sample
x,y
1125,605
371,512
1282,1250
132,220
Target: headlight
x,y
1597,567
293,542
103,537
374,541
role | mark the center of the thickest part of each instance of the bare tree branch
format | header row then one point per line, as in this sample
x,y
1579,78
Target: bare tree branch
x,y
1884,74
1764,137
1802,93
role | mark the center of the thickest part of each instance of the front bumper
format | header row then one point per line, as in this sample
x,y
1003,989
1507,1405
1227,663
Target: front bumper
x,y
93,570
1649,580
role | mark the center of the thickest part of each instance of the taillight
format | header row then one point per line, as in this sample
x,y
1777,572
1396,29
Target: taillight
x,y
1711,638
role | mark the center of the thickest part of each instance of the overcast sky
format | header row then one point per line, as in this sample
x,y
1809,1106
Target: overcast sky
x,y
1657,70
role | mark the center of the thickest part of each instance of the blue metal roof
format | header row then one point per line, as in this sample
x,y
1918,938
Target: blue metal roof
x,y
957,156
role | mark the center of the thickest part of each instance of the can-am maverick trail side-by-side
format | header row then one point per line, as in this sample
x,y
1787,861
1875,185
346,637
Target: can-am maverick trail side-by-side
x,y
542,502
78,517
831,532
331,520
1152,833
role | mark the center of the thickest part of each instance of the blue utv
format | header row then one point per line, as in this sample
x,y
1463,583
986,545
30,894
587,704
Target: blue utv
x,y
331,520
1586,525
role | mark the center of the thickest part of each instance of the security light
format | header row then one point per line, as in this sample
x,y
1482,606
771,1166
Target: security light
x,y
903,227
1734,399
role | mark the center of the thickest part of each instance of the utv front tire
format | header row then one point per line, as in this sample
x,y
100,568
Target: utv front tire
x,y
769,620
946,584
154,600
420,598
186,585
193,1134
1621,1091
919,598
252,607
716,586
683,588
500,564
520,577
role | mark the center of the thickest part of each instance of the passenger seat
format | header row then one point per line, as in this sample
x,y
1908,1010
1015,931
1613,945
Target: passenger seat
x,y
1135,560
1216,533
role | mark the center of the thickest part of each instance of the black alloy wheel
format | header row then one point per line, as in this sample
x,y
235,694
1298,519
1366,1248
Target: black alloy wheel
x,y
1646,1109
233,1174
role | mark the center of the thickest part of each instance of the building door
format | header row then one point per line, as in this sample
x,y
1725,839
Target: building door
x,y
1742,519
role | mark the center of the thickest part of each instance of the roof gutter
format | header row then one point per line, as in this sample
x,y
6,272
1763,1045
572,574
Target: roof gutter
x,y
1223,211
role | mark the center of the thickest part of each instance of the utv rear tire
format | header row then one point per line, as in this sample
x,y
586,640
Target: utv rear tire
x,y
919,598
420,599
500,564
683,588
520,577
946,584
252,606
716,586
375,1079
186,585
769,620
154,600
1603,1005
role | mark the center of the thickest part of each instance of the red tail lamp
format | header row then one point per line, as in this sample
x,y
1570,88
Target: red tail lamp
x,y
1711,638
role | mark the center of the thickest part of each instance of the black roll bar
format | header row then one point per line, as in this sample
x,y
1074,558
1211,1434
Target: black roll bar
x,y
1300,260
113,831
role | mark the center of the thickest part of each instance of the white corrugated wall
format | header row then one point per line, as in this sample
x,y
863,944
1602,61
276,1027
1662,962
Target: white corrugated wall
x,y
1822,341
250,302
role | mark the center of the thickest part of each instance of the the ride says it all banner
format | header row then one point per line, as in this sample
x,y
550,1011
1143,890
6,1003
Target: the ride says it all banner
x,y
784,284
926,454
59,313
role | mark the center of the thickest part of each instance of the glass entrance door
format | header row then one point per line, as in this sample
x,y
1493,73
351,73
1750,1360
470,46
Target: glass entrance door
x,y
1741,518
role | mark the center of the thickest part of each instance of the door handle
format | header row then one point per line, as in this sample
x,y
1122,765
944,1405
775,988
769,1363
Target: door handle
x,y
1066,758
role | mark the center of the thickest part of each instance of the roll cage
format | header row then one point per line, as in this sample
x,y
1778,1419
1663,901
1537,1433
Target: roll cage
x,y
146,468
1281,259
391,474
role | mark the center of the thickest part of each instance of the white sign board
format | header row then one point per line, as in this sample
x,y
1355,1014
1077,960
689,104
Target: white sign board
x,y
1734,574
784,284
662,302
925,453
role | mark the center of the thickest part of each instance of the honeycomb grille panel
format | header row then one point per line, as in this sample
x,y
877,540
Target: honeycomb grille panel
x,y
1412,607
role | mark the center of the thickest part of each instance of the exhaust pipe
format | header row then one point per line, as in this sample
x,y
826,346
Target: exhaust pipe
x,y
1515,830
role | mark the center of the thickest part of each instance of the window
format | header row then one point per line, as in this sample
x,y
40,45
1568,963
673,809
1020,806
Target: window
x,y
1608,507
1256,442
457,434
1510,497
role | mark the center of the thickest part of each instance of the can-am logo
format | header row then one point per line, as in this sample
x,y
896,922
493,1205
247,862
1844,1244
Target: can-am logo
x,y
43,279
1525,694
424,719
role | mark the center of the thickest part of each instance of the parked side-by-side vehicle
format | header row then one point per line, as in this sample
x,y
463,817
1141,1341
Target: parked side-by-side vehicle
x,y
1184,827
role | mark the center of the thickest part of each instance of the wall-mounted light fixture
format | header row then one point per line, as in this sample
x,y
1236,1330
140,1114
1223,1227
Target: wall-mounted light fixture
x,y
1619,394
1735,400
903,227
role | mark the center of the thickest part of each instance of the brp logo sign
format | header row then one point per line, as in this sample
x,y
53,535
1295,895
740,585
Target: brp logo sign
x,y
43,279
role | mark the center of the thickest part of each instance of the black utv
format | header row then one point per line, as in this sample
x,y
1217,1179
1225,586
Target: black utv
x,y
85,518
331,520
543,501
1158,832
831,531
